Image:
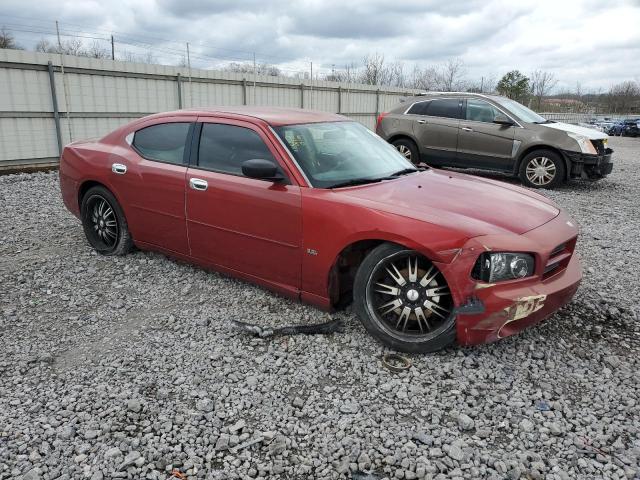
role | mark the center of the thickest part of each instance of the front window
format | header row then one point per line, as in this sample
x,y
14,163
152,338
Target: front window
x,y
523,113
481,111
335,154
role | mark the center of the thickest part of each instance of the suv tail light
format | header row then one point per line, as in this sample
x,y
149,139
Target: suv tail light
x,y
379,121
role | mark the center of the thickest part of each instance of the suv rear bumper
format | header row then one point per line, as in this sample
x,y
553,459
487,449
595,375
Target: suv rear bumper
x,y
588,166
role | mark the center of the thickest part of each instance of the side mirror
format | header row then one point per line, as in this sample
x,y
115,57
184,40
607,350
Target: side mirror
x,y
502,119
261,169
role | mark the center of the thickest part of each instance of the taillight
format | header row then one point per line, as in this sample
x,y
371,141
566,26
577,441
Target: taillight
x,y
380,117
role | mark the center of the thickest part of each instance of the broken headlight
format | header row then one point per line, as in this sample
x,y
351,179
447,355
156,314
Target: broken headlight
x,y
494,267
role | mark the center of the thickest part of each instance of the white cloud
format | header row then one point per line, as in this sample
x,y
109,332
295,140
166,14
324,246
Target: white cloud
x,y
579,41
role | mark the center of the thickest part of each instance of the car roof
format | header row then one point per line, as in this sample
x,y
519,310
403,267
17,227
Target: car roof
x,y
274,116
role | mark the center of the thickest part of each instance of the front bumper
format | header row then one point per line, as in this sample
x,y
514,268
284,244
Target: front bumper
x,y
587,166
512,306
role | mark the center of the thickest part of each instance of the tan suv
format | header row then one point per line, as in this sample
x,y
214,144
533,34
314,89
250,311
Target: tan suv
x,y
468,130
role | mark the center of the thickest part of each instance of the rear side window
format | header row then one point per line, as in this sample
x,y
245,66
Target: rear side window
x,y
164,142
446,107
419,108
223,148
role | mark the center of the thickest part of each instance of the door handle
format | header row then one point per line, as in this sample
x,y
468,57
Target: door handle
x,y
422,121
198,184
119,168
467,129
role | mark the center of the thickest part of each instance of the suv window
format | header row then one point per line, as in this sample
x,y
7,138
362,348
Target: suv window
x,y
446,107
481,111
223,148
164,142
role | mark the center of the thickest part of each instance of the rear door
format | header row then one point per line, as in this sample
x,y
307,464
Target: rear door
x,y
482,143
150,178
248,225
435,126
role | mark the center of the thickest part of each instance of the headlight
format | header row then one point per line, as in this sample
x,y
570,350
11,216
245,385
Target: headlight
x,y
584,143
494,267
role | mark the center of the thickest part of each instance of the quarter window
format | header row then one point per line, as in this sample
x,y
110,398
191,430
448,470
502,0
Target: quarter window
x,y
446,107
480,111
223,148
164,142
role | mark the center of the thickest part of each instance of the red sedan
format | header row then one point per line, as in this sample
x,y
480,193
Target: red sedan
x,y
317,207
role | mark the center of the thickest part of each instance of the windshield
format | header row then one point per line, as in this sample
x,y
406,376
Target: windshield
x,y
335,154
523,113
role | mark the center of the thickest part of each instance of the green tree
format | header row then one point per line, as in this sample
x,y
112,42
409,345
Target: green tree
x,y
514,85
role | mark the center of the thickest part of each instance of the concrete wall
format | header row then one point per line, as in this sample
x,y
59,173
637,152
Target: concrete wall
x,y
94,96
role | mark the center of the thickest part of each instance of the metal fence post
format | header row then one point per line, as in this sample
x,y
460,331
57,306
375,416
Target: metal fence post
x,y
301,95
56,113
179,92
244,91
377,103
339,99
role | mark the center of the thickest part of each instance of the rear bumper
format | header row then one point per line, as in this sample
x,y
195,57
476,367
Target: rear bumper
x,y
587,166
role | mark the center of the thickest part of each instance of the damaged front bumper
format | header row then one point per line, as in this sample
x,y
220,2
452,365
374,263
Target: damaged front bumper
x,y
588,166
513,305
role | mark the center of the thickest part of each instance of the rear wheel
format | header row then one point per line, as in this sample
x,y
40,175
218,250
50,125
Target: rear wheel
x,y
542,169
404,301
104,223
408,150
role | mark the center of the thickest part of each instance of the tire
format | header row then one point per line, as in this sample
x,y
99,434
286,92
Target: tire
x,y
408,149
104,223
536,163
371,292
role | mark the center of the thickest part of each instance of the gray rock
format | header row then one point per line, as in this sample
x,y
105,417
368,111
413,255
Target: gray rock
x,y
134,405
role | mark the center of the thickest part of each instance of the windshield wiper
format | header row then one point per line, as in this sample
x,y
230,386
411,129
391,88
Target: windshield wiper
x,y
356,181
544,121
405,171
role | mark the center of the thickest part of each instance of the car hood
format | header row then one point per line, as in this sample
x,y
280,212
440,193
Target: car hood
x,y
473,205
590,133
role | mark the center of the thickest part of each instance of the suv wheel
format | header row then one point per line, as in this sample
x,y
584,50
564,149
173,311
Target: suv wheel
x,y
542,169
408,149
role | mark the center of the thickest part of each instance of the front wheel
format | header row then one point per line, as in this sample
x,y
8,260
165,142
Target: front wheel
x,y
104,223
542,169
404,301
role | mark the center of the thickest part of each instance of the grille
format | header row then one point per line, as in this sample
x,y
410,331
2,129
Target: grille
x,y
559,258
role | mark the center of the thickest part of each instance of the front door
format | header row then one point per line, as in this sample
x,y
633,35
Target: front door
x,y
250,226
482,143
435,126
150,178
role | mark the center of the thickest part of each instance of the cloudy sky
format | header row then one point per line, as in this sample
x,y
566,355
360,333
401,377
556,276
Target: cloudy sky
x,y
592,42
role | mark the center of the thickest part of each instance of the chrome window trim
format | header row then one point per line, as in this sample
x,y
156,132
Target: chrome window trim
x,y
462,97
293,159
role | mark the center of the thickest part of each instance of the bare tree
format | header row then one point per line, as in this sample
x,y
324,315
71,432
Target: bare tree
x,y
260,68
451,75
128,56
96,50
624,97
373,72
66,47
423,78
7,40
541,85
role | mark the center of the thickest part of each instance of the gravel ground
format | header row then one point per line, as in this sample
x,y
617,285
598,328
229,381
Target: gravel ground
x,y
127,367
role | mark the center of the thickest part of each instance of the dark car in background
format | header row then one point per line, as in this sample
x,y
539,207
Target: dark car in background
x,y
627,128
468,130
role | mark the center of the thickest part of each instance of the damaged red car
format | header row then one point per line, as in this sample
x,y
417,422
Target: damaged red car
x,y
319,208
